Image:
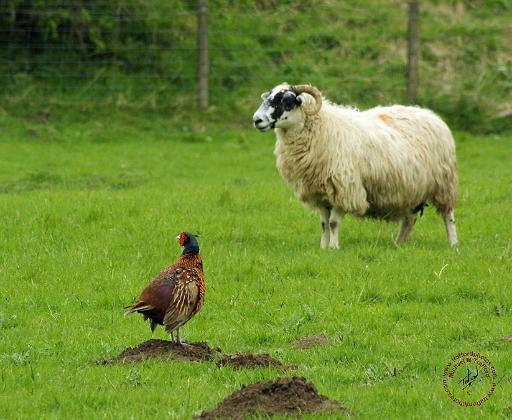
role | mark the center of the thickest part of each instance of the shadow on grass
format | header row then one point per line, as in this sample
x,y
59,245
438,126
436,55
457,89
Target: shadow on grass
x,y
47,180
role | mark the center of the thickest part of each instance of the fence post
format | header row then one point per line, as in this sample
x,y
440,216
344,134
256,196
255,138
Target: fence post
x,y
413,51
202,53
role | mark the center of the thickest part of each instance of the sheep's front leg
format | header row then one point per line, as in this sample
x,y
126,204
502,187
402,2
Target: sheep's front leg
x,y
334,226
324,220
407,225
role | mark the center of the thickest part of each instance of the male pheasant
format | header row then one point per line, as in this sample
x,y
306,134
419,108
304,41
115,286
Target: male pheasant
x,y
177,293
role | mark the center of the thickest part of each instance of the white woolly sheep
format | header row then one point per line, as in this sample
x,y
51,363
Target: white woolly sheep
x,y
384,163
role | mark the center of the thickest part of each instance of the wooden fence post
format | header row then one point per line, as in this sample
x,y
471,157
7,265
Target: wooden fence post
x,y
202,53
413,51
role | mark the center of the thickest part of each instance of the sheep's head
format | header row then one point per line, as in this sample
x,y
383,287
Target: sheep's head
x,y
285,105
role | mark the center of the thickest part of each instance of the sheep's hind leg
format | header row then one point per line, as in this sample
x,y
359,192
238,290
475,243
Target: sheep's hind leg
x,y
324,220
334,226
449,222
405,231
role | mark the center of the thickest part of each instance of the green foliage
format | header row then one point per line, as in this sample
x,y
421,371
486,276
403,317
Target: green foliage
x,y
91,203
71,45
143,54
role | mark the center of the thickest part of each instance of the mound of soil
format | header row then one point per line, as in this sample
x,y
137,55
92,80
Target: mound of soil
x,y
313,341
249,360
280,396
196,352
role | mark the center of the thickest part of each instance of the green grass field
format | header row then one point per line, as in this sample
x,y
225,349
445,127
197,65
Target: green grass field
x,y
90,208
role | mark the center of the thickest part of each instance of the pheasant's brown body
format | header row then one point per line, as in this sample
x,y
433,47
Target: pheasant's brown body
x,y
175,295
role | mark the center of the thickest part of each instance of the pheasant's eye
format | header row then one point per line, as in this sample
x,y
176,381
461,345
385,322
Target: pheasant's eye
x,y
183,238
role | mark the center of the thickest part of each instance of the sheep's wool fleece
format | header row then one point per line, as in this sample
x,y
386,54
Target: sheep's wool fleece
x,y
381,163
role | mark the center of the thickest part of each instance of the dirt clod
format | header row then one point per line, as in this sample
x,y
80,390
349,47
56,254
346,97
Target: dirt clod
x,y
280,396
196,352
313,341
249,360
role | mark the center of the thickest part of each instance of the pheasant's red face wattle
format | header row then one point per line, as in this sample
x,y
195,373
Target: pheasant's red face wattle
x,y
182,238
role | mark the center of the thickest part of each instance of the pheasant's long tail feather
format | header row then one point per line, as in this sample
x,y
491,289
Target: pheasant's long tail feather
x,y
138,307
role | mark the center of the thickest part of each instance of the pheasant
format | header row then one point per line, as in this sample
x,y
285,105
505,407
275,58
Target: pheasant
x,y
177,293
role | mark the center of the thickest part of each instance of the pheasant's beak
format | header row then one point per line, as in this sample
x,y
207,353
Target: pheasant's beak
x,y
178,237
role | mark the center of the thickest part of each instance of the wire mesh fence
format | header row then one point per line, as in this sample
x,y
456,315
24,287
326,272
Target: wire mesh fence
x,y
355,51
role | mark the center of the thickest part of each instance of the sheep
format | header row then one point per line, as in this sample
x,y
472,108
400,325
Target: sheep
x,y
385,163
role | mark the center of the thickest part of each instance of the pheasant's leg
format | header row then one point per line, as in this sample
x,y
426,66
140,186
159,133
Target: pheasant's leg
x,y
178,341
324,220
334,226
172,336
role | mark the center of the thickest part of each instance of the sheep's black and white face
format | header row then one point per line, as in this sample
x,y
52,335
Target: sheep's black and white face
x,y
279,109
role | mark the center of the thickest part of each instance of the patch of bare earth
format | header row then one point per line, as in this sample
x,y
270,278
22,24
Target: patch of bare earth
x,y
196,352
281,396
248,360
313,341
